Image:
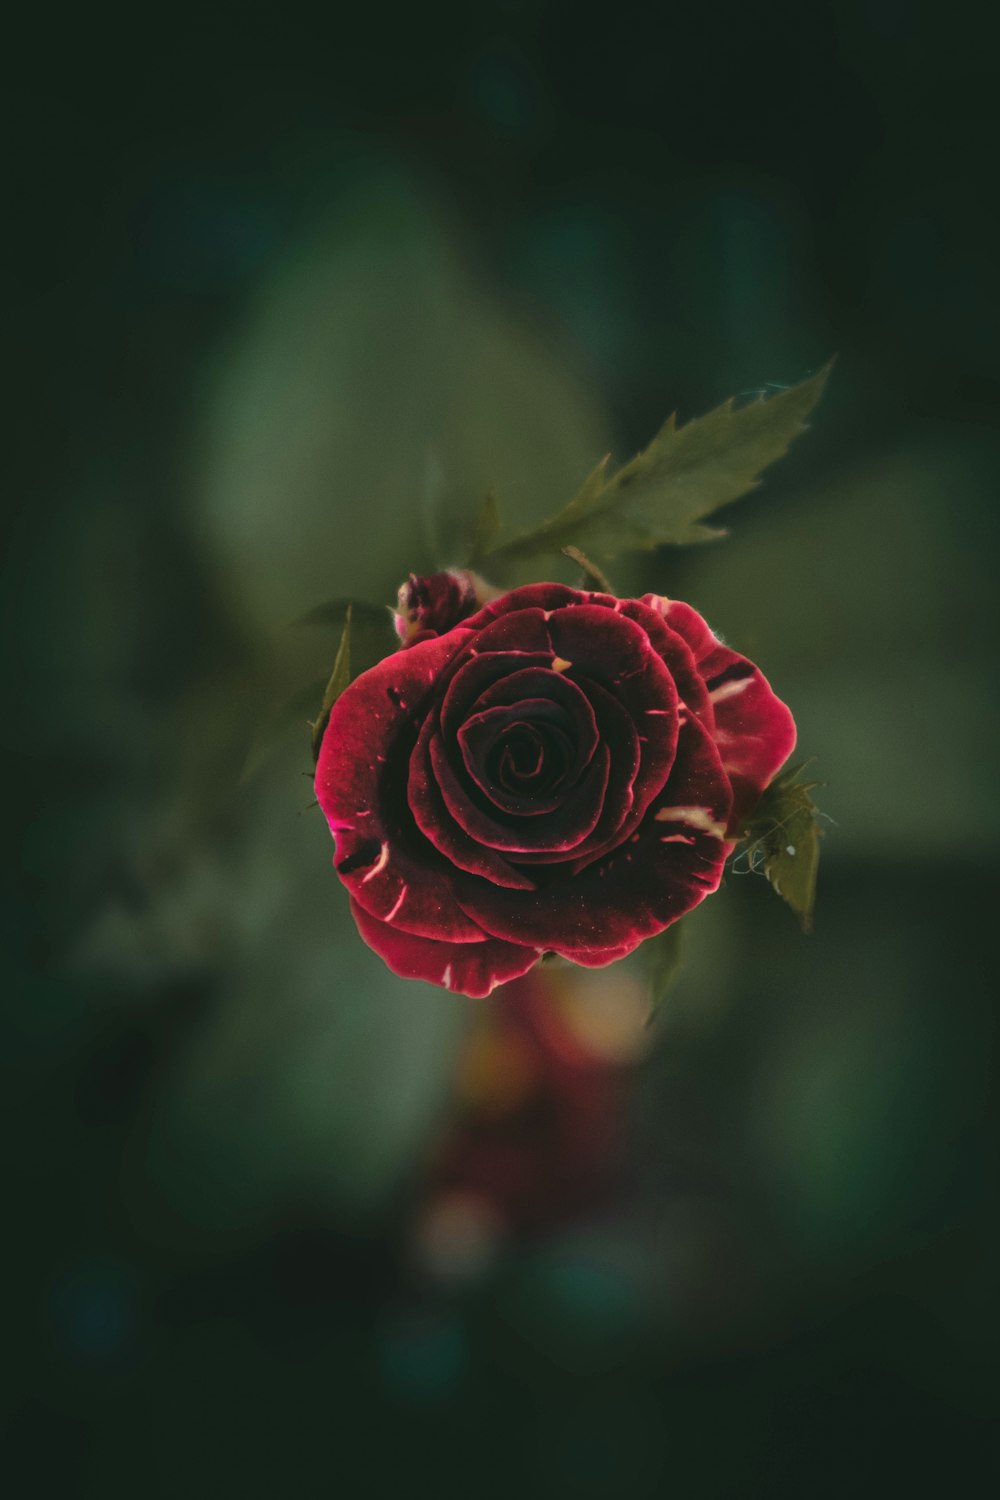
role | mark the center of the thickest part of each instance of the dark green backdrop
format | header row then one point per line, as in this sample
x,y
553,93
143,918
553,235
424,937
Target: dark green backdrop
x,y
282,282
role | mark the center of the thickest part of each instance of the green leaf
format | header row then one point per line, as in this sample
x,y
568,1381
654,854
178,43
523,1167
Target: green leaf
x,y
340,678
664,493
663,956
484,532
783,837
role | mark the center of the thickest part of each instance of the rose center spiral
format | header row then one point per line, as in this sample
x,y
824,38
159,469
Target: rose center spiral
x,y
528,758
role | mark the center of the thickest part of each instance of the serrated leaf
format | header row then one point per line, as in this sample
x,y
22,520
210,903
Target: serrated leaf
x,y
663,956
340,678
664,494
783,837
484,533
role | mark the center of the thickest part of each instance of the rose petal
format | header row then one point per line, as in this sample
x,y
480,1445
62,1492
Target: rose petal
x,y
642,886
565,719
618,734
599,958
523,632
473,969
382,858
677,654
473,675
754,730
591,637
536,683
543,721
540,596
618,654
437,824
550,833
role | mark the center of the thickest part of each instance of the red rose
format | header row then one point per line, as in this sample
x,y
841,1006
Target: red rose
x,y
561,772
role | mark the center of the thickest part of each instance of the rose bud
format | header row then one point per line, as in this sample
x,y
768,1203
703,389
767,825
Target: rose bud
x,y
429,606
562,771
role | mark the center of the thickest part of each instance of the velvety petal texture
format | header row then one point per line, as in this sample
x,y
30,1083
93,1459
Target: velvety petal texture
x,y
559,772
754,730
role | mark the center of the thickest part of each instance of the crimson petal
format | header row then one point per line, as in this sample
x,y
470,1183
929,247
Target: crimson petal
x,y
436,823
618,734
474,675
542,723
617,653
677,654
473,969
754,730
542,683
361,783
550,833
667,867
541,596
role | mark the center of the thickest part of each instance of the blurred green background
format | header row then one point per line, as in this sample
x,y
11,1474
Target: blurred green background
x,y
295,284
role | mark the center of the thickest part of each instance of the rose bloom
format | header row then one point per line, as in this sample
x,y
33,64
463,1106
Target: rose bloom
x,y
559,772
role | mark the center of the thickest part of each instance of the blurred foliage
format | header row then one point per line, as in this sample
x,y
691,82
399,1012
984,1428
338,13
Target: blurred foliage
x,y
296,298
